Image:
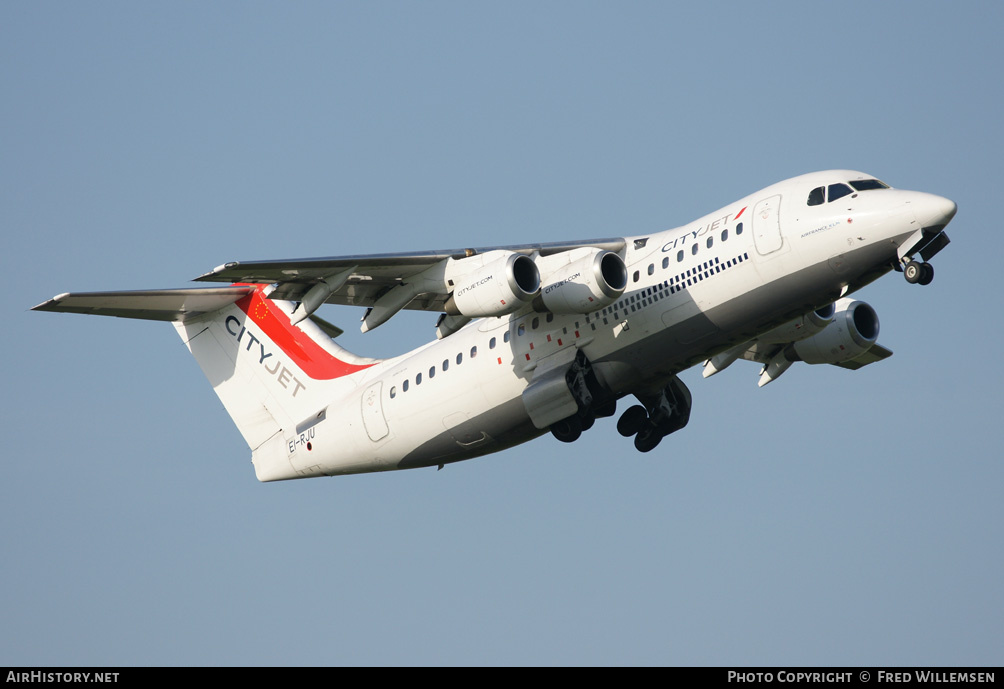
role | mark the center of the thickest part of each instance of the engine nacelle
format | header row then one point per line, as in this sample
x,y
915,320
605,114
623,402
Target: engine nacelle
x,y
580,281
855,328
802,327
491,284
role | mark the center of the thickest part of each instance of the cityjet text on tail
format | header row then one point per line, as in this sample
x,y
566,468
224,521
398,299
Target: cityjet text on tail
x,y
544,338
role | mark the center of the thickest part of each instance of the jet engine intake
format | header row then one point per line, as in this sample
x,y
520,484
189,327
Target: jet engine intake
x,y
577,283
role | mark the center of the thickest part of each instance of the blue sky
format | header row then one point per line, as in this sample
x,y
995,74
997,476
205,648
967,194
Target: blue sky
x,y
829,518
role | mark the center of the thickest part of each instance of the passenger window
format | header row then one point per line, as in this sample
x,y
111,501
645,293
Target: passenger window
x,y
446,364
549,317
534,323
838,191
460,357
711,240
474,351
521,331
739,229
505,336
679,255
404,386
651,268
491,343
636,276
815,196
693,249
418,379
432,371
393,392
725,235
665,263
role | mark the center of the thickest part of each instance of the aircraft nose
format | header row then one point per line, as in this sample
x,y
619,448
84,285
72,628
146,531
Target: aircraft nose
x,y
932,211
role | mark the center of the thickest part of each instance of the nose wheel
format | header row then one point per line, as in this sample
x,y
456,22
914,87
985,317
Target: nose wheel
x,y
917,273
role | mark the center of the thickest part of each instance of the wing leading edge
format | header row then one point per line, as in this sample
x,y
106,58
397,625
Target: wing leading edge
x,y
373,275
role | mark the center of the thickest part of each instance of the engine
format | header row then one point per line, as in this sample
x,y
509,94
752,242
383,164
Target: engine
x,y
491,284
854,329
580,281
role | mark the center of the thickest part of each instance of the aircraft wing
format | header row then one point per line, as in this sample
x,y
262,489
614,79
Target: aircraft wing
x,y
373,275
845,336
762,354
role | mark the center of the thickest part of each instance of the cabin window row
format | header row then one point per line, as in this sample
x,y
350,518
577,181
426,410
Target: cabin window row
x,y
702,272
630,304
675,284
444,367
694,248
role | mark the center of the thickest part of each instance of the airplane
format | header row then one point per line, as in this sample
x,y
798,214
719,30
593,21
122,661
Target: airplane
x,y
545,337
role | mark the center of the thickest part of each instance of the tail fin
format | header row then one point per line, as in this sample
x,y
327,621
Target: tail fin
x,y
270,375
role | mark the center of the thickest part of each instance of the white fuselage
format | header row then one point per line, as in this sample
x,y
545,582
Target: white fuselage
x,y
692,292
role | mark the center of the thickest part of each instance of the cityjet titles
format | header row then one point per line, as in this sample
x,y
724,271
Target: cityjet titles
x,y
556,285
282,374
473,285
702,230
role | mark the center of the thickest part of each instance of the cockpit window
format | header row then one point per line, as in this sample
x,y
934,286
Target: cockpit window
x,y
866,184
839,191
816,196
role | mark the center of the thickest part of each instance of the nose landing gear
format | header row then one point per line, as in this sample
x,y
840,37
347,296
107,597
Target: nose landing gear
x,y
917,273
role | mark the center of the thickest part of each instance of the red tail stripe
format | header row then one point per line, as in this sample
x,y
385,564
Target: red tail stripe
x,y
312,359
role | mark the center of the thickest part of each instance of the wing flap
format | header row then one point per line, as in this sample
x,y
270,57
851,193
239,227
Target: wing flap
x,y
876,353
152,305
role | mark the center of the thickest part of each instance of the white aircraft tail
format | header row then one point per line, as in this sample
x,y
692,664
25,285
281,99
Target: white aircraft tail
x,y
274,378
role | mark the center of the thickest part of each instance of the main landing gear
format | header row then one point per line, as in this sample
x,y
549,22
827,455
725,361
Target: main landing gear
x,y
917,273
591,398
664,413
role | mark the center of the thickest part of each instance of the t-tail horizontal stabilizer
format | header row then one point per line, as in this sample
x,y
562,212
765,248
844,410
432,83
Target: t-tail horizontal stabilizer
x,y
151,305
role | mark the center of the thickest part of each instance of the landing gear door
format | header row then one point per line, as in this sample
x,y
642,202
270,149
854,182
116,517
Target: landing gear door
x,y
372,412
548,398
767,225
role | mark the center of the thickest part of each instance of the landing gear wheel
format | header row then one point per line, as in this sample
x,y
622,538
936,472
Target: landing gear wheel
x,y
914,272
567,430
632,421
587,420
926,274
647,440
